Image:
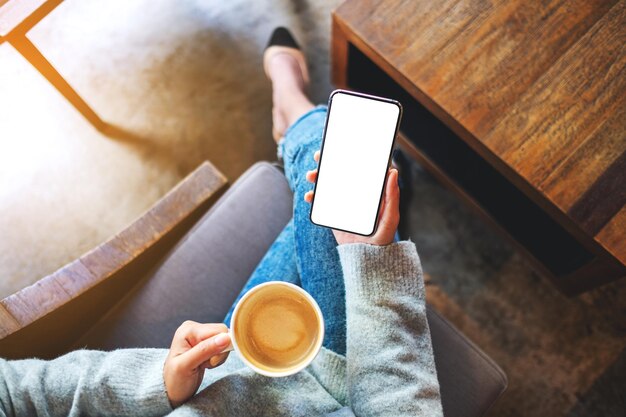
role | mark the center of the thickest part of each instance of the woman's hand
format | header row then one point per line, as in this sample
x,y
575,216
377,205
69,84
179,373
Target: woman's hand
x,y
388,218
195,347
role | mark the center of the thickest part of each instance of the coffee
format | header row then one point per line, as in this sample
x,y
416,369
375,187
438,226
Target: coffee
x,y
277,328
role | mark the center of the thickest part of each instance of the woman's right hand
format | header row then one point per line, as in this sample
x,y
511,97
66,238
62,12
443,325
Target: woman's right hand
x,y
388,217
195,347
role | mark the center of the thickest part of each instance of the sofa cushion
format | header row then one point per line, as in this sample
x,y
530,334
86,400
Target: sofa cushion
x,y
469,380
203,274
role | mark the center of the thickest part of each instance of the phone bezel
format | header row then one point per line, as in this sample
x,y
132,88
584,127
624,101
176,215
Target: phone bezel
x,y
393,142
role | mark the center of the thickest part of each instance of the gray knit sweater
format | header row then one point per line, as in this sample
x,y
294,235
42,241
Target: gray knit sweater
x,y
388,370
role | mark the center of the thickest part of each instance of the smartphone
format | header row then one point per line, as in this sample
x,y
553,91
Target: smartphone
x,y
356,151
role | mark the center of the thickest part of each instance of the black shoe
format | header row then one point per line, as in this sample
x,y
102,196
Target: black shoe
x,y
282,42
282,37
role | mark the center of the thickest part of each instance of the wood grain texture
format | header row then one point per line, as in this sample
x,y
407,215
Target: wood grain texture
x,y
339,45
593,210
9,323
576,103
488,67
586,163
612,235
575,96
42,318
536,88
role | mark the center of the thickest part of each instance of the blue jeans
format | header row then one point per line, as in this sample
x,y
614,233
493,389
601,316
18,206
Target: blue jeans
x,y
305,254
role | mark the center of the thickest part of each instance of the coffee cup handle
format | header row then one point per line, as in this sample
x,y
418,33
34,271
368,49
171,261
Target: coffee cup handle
x,y
230,346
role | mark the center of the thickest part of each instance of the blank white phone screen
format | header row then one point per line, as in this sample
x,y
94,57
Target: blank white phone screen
x,y
357,144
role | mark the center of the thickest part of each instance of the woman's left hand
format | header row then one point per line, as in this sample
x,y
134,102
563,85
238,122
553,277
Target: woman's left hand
x,y
388,218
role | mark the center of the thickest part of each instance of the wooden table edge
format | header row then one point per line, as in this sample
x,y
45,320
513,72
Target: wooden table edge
x,y
346,33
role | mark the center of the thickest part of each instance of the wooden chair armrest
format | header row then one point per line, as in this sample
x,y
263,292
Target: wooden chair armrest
x,y
43,319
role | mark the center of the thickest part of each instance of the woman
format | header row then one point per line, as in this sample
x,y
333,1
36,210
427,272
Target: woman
x,y
377,357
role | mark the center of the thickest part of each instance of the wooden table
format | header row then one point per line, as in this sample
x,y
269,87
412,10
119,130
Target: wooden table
x,y
518,106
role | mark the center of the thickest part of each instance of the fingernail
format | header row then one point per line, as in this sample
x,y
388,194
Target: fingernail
x,y
221,339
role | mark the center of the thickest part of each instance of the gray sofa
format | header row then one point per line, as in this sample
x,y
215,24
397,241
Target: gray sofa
x,y
201,276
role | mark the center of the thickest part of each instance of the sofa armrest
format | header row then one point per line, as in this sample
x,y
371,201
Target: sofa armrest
x,y
43,319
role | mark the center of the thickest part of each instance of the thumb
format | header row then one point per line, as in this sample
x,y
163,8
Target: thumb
x,y
203,351
391,213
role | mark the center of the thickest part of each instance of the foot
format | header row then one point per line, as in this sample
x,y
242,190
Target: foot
x,y
288,92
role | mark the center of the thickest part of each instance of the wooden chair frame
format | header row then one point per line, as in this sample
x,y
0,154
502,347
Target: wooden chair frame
x,y
46,318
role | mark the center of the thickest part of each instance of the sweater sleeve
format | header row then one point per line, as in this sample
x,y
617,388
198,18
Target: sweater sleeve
x,y
122,382
390,363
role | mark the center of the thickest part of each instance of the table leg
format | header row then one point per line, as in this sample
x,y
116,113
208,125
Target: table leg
x,y
29,51
339,55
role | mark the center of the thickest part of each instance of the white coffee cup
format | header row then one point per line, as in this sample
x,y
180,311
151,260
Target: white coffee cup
x,y
277,329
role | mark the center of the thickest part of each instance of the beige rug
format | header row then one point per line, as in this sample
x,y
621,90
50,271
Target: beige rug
x,y
184,77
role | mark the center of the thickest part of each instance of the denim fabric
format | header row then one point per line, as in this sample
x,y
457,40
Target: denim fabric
x,y
304,253
278,264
